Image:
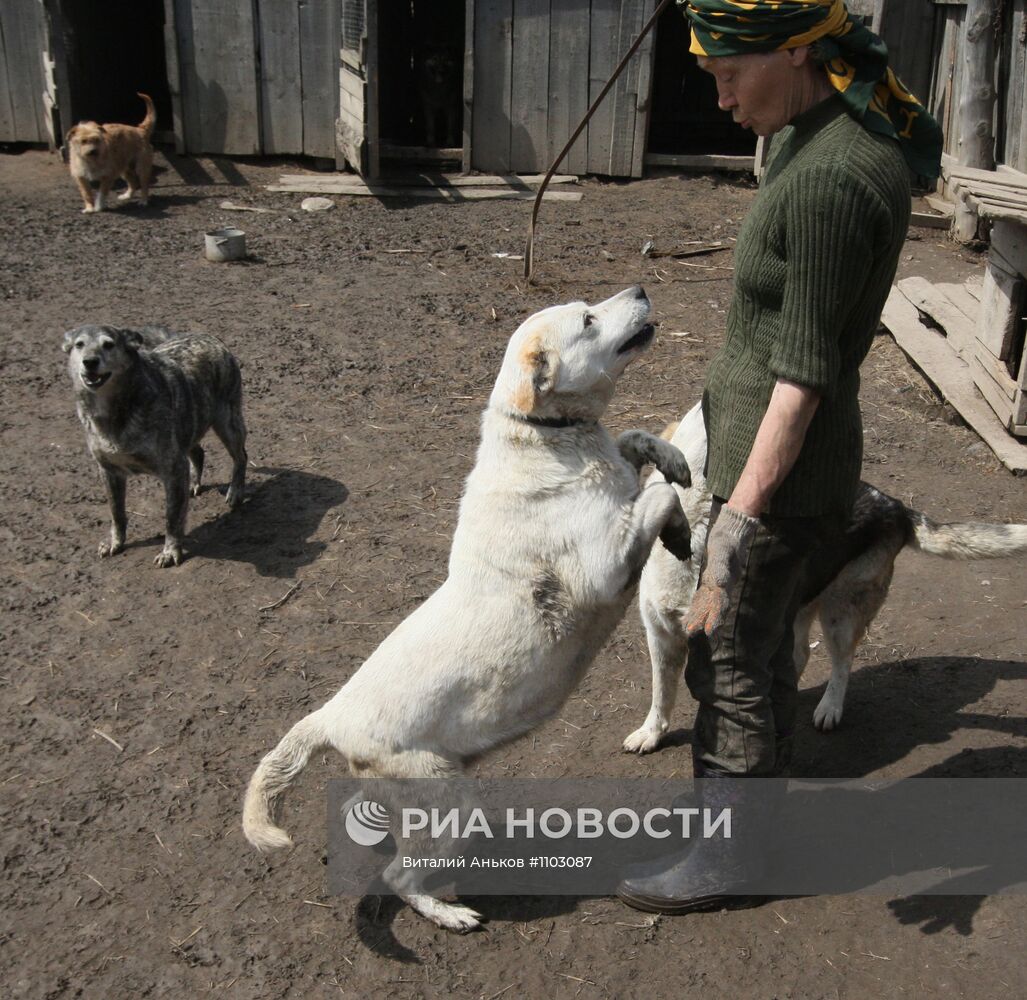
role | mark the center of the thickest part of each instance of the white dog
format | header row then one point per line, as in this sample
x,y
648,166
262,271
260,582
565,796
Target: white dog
x,y
552,536
845,590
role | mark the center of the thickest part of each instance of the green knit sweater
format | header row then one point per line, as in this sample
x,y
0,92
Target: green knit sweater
x,y
813,266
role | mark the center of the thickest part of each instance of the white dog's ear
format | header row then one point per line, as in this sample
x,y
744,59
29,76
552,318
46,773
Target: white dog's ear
x,y
539,369
69,340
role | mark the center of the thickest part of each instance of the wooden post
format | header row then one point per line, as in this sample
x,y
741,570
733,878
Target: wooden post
x,y
976,104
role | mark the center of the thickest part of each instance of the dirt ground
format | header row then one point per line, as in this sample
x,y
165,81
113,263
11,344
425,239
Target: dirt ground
x,y
136,701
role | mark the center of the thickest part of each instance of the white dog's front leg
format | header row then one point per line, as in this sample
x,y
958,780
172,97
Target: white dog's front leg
x,y
656,514
641,448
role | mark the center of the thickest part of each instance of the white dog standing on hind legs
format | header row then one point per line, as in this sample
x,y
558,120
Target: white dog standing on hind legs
x,y
845,588
551,539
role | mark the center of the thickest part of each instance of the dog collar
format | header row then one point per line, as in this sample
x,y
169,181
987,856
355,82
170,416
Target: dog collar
x,y
551,421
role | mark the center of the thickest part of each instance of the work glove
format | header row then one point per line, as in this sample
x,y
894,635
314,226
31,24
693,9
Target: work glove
x,y
727,553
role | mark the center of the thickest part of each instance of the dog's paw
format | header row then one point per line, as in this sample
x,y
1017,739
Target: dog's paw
x,y
677,540
675,468
450,916
643,740
828,714
169,556
194,489
234,498
124,196
89,210
109,548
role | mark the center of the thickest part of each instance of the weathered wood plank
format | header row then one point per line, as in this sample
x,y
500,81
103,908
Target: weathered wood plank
x,y
436,194
568,81
174,74
952,377
351,133
645,58
625,90
22,82
219,76
319,39
281,78
704,161
529,85
959,330
493,61
961,298
605,34
468,86
420,178
1014,151
1001,299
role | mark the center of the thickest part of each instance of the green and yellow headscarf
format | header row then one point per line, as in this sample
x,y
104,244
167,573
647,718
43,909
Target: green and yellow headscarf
x,y
855,59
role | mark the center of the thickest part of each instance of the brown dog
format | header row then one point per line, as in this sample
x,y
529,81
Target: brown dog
x,y
100,154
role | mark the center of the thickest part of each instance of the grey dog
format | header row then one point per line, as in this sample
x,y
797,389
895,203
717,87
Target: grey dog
x,y
145,398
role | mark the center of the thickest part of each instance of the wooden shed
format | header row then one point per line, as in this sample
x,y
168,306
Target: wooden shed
x,y
496,85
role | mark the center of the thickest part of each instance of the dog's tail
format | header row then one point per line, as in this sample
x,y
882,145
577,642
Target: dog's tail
x,y
968,540
147,124
274,774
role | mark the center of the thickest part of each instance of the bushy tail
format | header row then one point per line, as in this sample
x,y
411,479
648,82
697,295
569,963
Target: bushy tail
x,y
274,774
150,120
969,540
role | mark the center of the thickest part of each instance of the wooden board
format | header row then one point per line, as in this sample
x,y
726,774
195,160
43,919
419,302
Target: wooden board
x,y
1001,301
319,32
952,377
493,64
1013,61
959,330
962,299
281,77
568,81
906,28
529,85
174,74
351,131
218,67
23,39
741,164
435,194
605,34
424,178
645,57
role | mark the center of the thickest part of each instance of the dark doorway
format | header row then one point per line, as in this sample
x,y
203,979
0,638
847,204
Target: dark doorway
x,y
114,49
421,73
685,119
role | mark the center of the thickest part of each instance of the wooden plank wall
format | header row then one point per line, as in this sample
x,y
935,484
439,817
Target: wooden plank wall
x,y
23,39
538,64
217,54
1012,144
258,76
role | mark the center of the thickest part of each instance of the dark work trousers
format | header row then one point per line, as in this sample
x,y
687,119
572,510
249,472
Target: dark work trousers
x,y
745,679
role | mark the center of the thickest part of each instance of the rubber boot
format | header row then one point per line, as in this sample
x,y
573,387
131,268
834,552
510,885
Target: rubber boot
x,y
719,871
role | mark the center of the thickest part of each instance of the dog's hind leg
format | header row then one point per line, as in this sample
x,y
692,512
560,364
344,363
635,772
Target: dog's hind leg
x,y
800,636
407,883
231,429
132,180
176,498
114,481
195,469
847,607
667,651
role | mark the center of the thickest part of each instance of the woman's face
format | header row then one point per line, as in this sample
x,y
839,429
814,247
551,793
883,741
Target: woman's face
x,y
763,91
